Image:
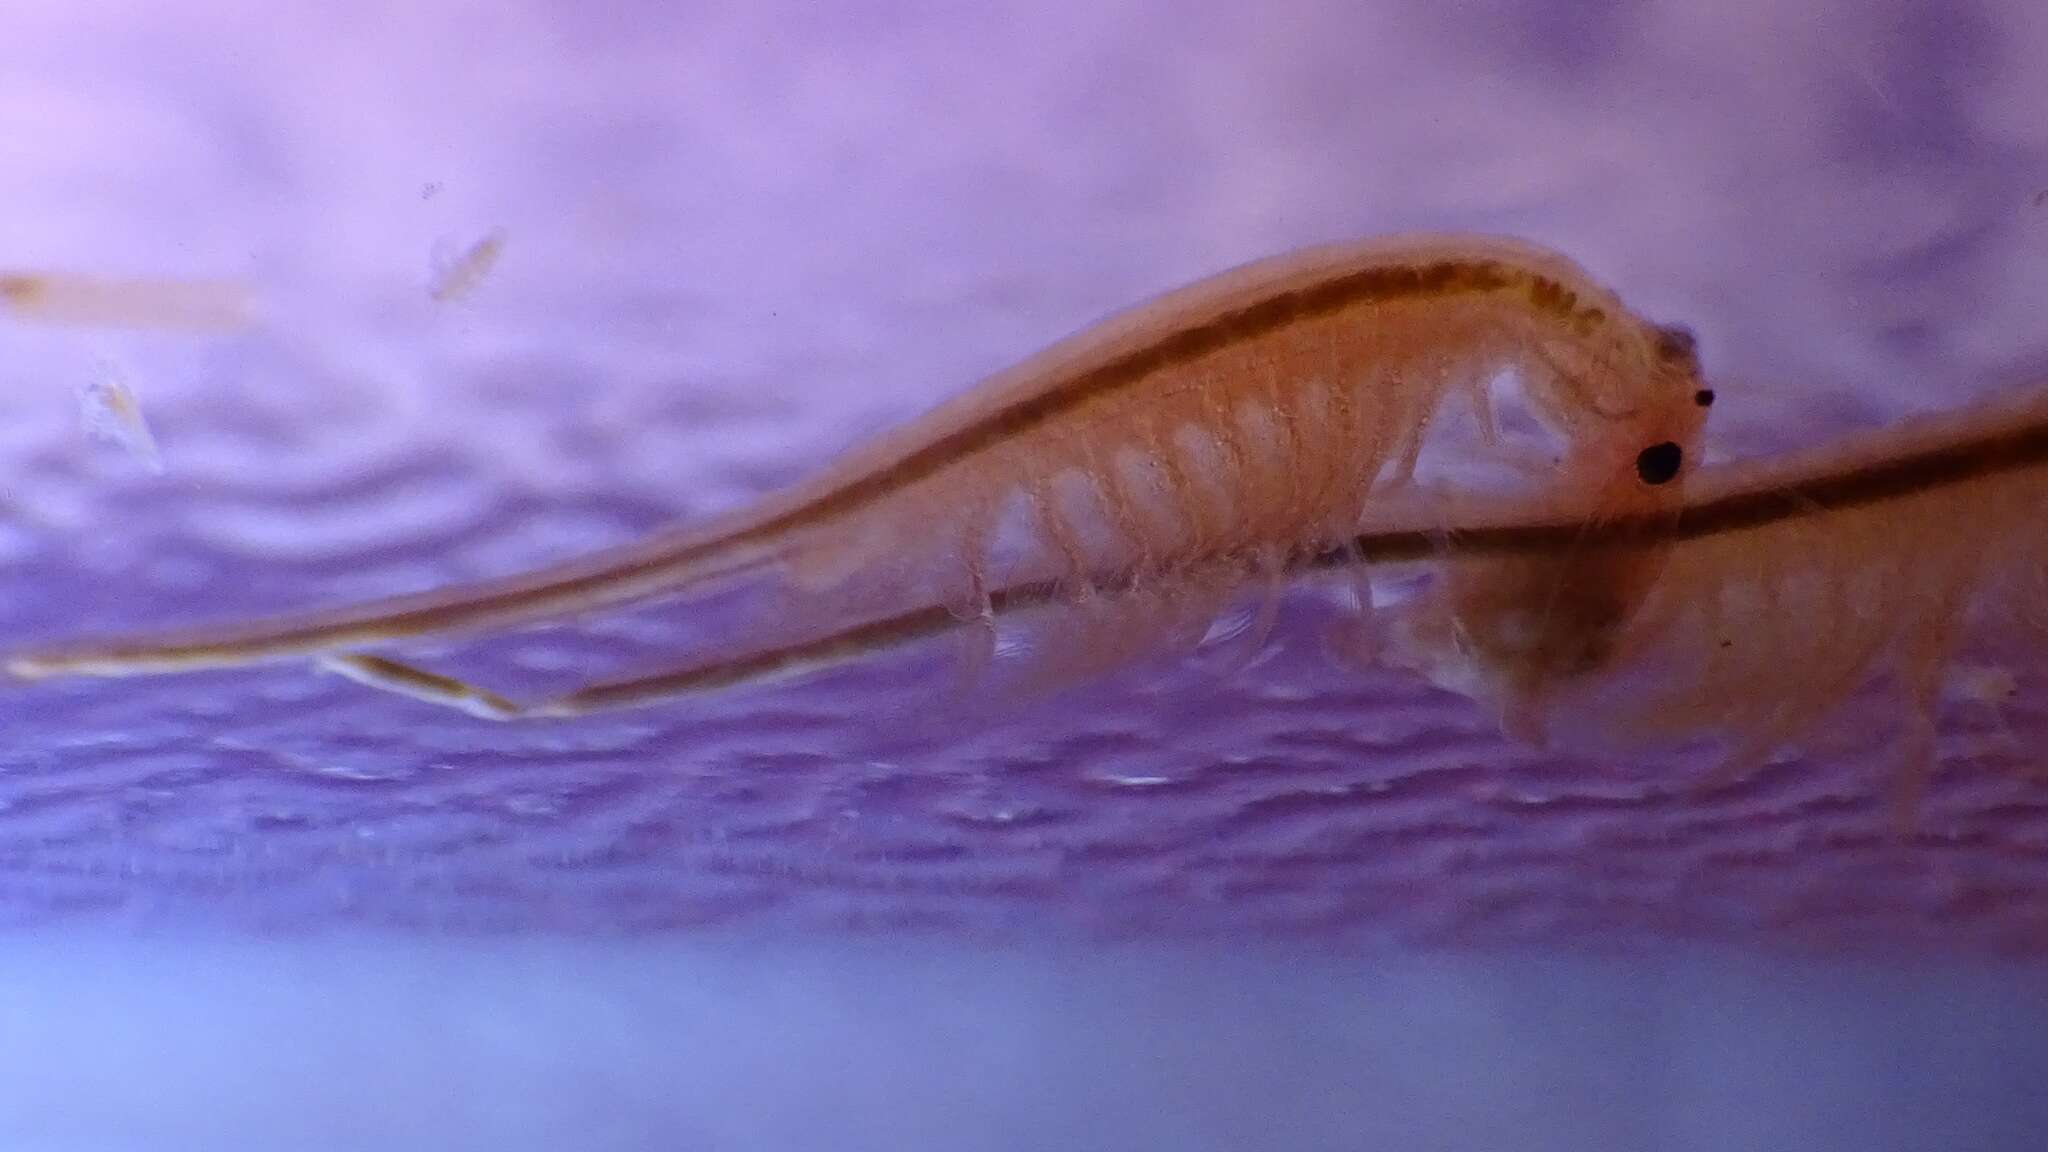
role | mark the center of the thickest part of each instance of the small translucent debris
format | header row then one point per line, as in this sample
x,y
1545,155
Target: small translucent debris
x,y
112,414
63,298
1133,781
430,189
458,277
1983,684
1987,688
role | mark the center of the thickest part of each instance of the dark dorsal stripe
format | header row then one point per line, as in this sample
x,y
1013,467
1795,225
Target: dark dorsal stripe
x,y
1377,285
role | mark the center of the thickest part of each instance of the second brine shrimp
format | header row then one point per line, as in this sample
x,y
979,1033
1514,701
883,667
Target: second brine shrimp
x,y
1234,426
1507,630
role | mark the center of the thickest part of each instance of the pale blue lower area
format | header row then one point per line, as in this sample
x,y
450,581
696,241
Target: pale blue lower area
x,y
177,1043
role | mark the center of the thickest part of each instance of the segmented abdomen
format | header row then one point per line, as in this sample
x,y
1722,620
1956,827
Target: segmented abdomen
x,y
1257,451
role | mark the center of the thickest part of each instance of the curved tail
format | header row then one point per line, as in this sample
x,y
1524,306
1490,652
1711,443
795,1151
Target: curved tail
x,y
665,564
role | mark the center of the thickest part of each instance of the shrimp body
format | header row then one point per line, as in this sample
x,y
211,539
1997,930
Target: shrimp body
x,y
459,276
1255,415
66,298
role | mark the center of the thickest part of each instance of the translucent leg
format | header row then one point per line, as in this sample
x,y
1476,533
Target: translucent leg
x,y
1920,675
1269,579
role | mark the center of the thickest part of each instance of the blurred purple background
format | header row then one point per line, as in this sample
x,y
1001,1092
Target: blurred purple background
x,y
1291,907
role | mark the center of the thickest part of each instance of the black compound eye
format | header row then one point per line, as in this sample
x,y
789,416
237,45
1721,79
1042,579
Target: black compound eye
x,y
1704,397
1659,463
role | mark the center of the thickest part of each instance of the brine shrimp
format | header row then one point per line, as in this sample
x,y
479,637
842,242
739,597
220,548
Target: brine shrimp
x,y
69,299
1784,586
1163,456
112,413
1797,581
456,277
